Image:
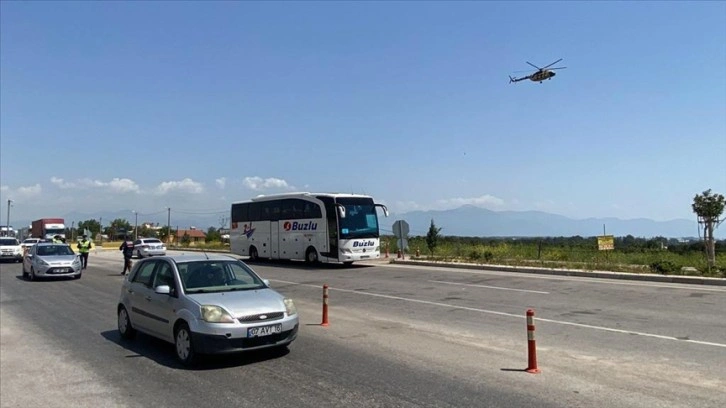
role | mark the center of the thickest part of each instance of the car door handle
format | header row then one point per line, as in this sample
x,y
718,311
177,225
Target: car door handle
x,y
129,290
148,298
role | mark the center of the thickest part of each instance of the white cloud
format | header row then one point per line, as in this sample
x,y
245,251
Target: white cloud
x,y
22,192
61,183
118,185
121,185
258,183
187,186
221,182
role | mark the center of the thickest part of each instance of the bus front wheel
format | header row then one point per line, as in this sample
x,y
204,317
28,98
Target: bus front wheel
x,y
311,256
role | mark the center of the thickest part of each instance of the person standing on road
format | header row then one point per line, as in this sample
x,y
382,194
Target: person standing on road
x,y
57,239
128,250
84,246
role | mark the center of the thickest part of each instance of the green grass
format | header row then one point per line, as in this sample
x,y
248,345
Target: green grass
x,y
562,256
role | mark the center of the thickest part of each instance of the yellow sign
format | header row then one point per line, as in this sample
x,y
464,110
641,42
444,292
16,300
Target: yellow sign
x,y
606,243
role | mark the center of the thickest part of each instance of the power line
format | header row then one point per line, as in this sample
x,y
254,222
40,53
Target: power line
x,y
201,212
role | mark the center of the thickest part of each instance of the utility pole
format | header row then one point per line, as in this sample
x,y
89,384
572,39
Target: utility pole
x,y
8,219
168,225
100,226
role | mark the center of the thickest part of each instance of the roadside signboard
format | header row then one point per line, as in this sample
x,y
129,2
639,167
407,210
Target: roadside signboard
x,y
402,245
606,242
400,229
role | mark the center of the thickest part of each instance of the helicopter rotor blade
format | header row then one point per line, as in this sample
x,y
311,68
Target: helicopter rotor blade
x,y
557,68
533,65
552,63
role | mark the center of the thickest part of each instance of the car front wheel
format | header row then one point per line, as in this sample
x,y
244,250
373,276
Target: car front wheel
x,y
184,347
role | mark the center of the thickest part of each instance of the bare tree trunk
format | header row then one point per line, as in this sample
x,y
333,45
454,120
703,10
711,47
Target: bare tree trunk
x,y
711,246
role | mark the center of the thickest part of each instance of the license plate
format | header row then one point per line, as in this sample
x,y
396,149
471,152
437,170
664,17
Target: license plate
x,y
264,330
61,270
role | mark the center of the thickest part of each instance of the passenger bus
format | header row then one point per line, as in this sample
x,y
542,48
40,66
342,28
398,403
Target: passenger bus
x,y
315,227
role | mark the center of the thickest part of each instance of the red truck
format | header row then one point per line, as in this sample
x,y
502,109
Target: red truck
x,y
47,228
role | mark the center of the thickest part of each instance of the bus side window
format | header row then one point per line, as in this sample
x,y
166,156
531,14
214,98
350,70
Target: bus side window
x,y
298,209
255,212
312,210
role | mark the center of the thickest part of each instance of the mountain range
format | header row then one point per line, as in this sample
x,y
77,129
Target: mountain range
x,y
469,221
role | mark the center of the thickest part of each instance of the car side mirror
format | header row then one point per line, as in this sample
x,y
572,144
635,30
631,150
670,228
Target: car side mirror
x,y
162,289
266,282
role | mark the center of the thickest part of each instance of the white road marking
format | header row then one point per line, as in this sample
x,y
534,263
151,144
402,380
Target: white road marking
x,y
490,287
518,316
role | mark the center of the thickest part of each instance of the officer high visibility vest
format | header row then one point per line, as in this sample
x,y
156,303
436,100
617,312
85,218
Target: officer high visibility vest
x,y
57,241
84,246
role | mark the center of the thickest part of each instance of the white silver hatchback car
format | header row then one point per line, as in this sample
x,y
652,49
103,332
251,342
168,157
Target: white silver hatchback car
x,y
49,260
204,304
144,247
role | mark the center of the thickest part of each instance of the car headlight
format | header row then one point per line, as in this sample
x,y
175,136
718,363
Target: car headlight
x,y
42,262
290,308
215,314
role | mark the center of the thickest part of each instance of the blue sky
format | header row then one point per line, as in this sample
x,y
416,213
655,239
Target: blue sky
x,y
107,106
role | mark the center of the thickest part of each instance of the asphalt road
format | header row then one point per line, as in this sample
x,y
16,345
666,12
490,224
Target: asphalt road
x,y
399,336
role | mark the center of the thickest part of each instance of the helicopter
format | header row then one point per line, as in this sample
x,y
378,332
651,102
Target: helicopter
x,y
541,74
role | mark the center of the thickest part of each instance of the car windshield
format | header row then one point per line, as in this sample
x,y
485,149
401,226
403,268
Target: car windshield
x,y
151,241
54,250
217,276
31,241
8,241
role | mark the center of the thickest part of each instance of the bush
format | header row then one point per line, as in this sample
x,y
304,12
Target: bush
x,y
664,267
488,256
474,255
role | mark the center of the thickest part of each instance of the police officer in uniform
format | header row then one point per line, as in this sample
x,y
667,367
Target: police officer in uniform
x,y
84,246
128,250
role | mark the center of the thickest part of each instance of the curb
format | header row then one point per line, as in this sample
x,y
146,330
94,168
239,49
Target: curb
x,y
697,280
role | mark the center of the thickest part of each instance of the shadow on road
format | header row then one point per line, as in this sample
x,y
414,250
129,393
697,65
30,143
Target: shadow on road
x,y
163,353
46,279
304,266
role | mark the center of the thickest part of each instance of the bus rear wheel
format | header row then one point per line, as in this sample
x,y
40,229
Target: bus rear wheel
x,y
311,256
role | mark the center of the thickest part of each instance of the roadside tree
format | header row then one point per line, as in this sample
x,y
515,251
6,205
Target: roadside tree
x,y
91,225
709,207
213,235
432,237
118,228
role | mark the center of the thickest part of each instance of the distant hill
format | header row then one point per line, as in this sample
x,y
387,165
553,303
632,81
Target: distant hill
x,y
473,221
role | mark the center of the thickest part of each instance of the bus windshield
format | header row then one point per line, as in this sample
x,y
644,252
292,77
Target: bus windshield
x,y
361,220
